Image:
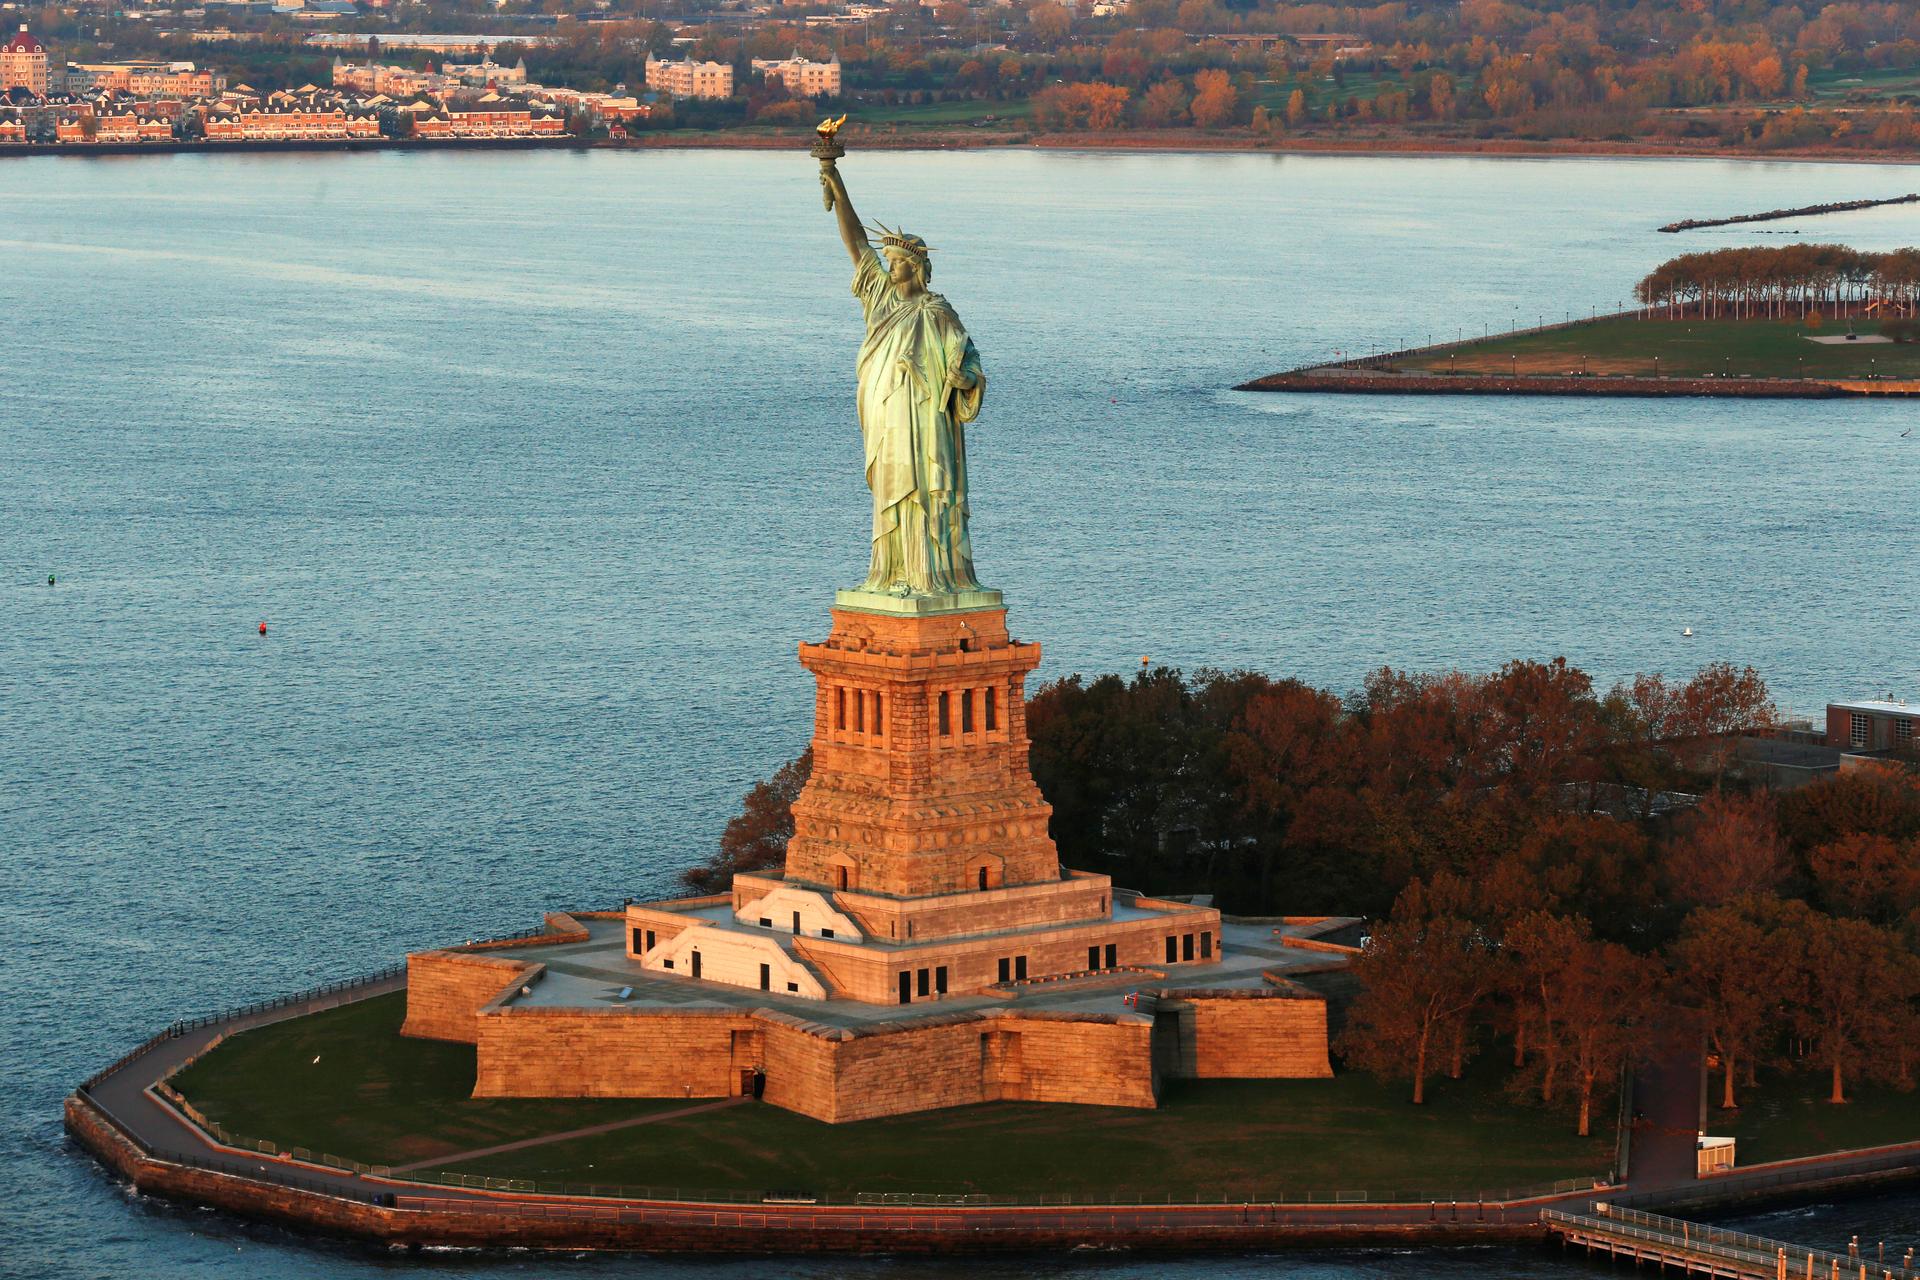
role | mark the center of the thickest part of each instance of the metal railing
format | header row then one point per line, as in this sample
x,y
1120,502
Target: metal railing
x,y
1762,1253
181,1026
1796,1173
1450,1204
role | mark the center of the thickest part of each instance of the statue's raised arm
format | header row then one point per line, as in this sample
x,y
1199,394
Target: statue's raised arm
x,y
834,189
920,383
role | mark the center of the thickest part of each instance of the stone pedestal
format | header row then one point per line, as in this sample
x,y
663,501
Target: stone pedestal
x,y
920,780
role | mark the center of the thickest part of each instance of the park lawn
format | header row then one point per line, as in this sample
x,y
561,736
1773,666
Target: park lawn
x,y
1232,1139
1789,1116
1880,82
373,1096
1685,348
377,1097
1012,112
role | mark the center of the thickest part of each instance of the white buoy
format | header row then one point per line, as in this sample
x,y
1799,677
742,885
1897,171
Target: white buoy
x,y
1686,633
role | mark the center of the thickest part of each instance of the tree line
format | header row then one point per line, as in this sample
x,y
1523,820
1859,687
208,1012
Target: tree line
x,y
1796,280
1555,871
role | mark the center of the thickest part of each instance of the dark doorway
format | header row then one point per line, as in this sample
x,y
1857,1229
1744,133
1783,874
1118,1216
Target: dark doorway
x,y
906,986
766,978
940,980
796,924
759,1085
840,877
983,877
1112,956
696,964
1093,958
1020,968
1006,969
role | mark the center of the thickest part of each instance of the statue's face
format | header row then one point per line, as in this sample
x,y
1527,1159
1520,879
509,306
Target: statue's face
x,y
902,270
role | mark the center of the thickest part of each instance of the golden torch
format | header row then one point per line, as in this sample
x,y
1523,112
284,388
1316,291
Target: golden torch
x,y
827,148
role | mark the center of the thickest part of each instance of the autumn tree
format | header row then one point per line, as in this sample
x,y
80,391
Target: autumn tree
x,y
1729,847
1535,970
1878,799
1868,875
1855,1004
1729,969
756,837
1049,22
1163,105
1214,99
1609,997
1296,107
1421,975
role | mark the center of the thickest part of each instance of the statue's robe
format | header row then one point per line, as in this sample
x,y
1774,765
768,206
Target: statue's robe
x,y
913,425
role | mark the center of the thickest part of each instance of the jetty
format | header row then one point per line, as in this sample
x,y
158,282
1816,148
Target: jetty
x,y
1774,215
1699,1249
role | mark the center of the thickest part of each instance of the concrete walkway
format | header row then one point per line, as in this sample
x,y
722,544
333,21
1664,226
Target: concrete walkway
x,y
588,1132
122,1095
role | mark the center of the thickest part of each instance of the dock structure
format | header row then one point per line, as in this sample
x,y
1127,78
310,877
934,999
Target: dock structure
x,y
1697,1249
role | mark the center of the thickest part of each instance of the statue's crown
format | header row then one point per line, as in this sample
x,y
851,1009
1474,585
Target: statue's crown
x,y
904,242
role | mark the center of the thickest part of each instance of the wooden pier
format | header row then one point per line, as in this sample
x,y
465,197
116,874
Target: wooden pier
x,y
1696,1249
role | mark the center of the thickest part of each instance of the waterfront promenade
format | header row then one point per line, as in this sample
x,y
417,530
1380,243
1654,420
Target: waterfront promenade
x,y
120,1117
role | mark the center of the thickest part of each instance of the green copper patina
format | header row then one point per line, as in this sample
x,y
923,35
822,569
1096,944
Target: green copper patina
x,y
920,383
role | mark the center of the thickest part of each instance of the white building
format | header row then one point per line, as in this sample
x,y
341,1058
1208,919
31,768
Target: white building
x,y
803,79
690,79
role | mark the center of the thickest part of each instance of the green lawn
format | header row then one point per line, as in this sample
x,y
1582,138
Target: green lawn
x,y
381,1099
1789,1115
1684,348
1011,113
1879,82
372,1096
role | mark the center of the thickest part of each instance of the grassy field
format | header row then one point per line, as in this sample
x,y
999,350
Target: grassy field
x,y
1011,113
376,1097
1789,1116
345,1083
1683,348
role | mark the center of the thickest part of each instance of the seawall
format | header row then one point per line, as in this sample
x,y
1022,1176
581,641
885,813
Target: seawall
x,y
1365,382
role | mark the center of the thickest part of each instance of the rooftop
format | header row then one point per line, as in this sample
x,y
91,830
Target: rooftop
x,y
591,974
1881,706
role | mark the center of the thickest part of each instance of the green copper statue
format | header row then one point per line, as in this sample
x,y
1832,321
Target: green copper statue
x,y
920,383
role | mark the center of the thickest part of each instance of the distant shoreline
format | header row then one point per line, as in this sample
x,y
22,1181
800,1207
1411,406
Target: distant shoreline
x,y
1172,142
256,145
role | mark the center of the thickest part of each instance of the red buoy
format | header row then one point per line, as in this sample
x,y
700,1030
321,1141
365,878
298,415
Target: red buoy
x,y
263,628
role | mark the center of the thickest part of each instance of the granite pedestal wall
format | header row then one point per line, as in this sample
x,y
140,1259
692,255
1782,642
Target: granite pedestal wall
x,y
920,782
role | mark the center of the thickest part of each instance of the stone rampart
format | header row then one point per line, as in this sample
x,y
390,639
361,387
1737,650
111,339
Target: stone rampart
x,y
1247,1035
606,1053
445,990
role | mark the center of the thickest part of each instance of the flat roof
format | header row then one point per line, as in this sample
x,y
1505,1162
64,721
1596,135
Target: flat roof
x,y
1879,706
590,975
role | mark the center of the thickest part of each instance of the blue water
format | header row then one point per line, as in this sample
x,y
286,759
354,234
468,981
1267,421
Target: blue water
x,y
539,466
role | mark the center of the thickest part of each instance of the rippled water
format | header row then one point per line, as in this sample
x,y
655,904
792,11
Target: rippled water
x,y
538,467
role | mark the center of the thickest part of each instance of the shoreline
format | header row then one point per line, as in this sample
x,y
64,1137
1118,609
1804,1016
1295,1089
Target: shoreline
x,y
1488,384
122,1118
1138,142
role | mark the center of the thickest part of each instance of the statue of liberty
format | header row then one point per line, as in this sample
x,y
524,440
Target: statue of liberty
x,y
920,382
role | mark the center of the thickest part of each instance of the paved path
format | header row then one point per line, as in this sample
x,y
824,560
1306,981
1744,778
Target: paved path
x,y
166,1135
587,1132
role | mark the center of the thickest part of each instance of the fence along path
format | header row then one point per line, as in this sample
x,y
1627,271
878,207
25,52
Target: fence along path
x,y
1699,1248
